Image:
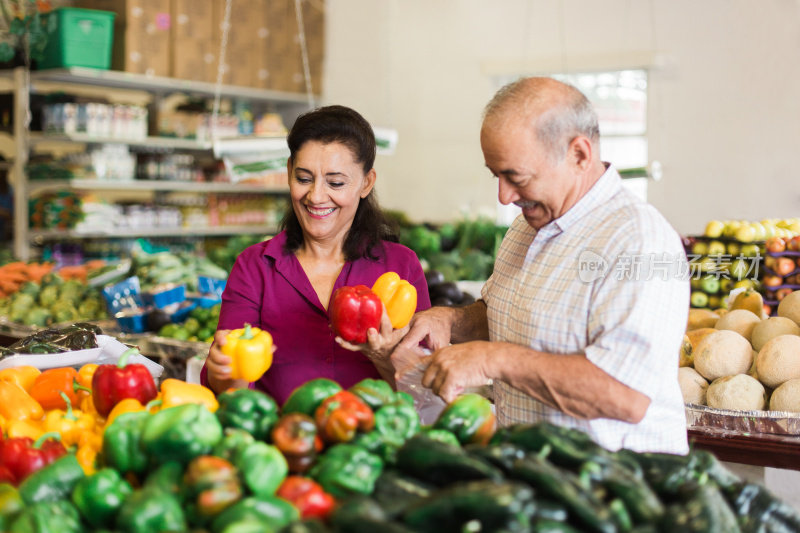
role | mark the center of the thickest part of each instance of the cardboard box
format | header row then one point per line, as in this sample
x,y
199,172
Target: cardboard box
x,y
195,43
142,41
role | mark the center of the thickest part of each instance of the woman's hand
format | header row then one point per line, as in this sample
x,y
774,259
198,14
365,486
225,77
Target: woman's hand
x,y
218,366
379,345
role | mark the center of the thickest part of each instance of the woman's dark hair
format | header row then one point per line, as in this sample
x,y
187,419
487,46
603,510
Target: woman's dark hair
x,y
339,124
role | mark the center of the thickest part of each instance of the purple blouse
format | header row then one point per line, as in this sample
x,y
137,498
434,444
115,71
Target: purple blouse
x,y
269,289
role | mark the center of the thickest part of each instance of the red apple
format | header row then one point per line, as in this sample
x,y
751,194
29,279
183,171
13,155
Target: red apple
x,y
783,293
791,280
772,281
771,262
794,244
767,310
775,244
784,266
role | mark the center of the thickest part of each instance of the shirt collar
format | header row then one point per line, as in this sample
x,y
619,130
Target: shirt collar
x,y
602,191
274,246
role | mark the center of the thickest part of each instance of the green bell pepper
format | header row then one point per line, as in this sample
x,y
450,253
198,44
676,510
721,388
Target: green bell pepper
x,y
360,514
374,392
58,516
99,496
396,423
347,469
149,510
270,513
121,443
469,417
11,504
262,467
232,443
181,433
756,508
638,498
248,409
703,510
441,435
167,477
307,397
53,482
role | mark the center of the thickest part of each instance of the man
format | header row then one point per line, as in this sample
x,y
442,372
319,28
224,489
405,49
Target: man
x,y
575,326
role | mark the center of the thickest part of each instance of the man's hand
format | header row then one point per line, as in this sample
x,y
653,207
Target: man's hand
x,y
432,325
458,367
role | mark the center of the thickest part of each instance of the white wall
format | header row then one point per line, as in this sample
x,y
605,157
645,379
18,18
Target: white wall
x,y
724,110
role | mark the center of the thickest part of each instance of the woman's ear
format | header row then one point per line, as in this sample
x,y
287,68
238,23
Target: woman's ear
x,y
369,183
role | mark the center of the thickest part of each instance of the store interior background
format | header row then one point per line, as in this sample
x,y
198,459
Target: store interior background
x,y
723,92
723,99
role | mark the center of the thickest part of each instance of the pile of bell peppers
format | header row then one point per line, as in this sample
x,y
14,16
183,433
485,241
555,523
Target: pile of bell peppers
x,y
355,309
178,457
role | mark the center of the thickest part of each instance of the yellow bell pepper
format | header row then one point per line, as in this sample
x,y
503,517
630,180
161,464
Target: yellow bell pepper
x,y
250,350
398,296
89,445
3,424
176,392
71,424
127,405
24,428
24,376
16,404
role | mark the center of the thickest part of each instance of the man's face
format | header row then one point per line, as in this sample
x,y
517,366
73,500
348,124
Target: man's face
x,y
526,176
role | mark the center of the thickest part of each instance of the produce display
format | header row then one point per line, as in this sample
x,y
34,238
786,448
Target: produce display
x,y
334,460
740,358
735,254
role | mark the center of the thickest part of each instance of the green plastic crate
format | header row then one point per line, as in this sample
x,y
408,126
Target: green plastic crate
x,y
80,38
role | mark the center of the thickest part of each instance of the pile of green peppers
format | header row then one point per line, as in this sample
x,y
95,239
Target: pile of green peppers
x,y
185,468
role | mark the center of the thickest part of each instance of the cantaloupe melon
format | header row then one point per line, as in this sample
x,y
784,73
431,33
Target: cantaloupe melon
x,y
739,392
741,321
693,386
786,397
790,307
701,318
696,335
723,353
770,328
778,360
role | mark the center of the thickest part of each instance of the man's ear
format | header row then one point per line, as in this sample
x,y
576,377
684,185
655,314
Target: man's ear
x,y
580,152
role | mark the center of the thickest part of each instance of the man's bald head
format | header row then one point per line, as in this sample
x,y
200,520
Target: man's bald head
x,y
556,111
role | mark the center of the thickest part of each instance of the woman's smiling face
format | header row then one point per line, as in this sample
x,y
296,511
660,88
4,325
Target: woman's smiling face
x,y
326,184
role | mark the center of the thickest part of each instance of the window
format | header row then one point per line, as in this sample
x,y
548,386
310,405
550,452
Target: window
x,y
620,99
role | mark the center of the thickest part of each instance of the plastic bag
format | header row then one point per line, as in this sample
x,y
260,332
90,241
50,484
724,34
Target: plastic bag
x,y
410,366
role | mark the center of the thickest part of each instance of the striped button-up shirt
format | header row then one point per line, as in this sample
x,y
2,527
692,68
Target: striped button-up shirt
x,y
607,279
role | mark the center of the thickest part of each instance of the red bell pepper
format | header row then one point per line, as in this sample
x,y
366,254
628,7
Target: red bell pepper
x,y
113,383
308,496
340,416
295,435
22,456
353,310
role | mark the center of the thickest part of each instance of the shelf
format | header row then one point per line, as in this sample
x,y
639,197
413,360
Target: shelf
x,y
132,233
153,185
148,142
128,80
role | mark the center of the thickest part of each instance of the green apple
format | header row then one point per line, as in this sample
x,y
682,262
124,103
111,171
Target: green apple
x,y
709,284
739,268
700,248
716,248
730,228
725,285
699,299
714,229
744,284
749,250
733,249
746,233
714,302
694,283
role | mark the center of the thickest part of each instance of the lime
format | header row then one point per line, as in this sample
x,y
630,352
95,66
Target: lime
x,y
192,325
181,334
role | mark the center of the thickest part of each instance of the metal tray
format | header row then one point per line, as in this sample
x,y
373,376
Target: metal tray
x,y
775,422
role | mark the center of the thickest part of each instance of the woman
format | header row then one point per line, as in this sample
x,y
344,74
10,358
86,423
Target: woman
x,y
333,235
